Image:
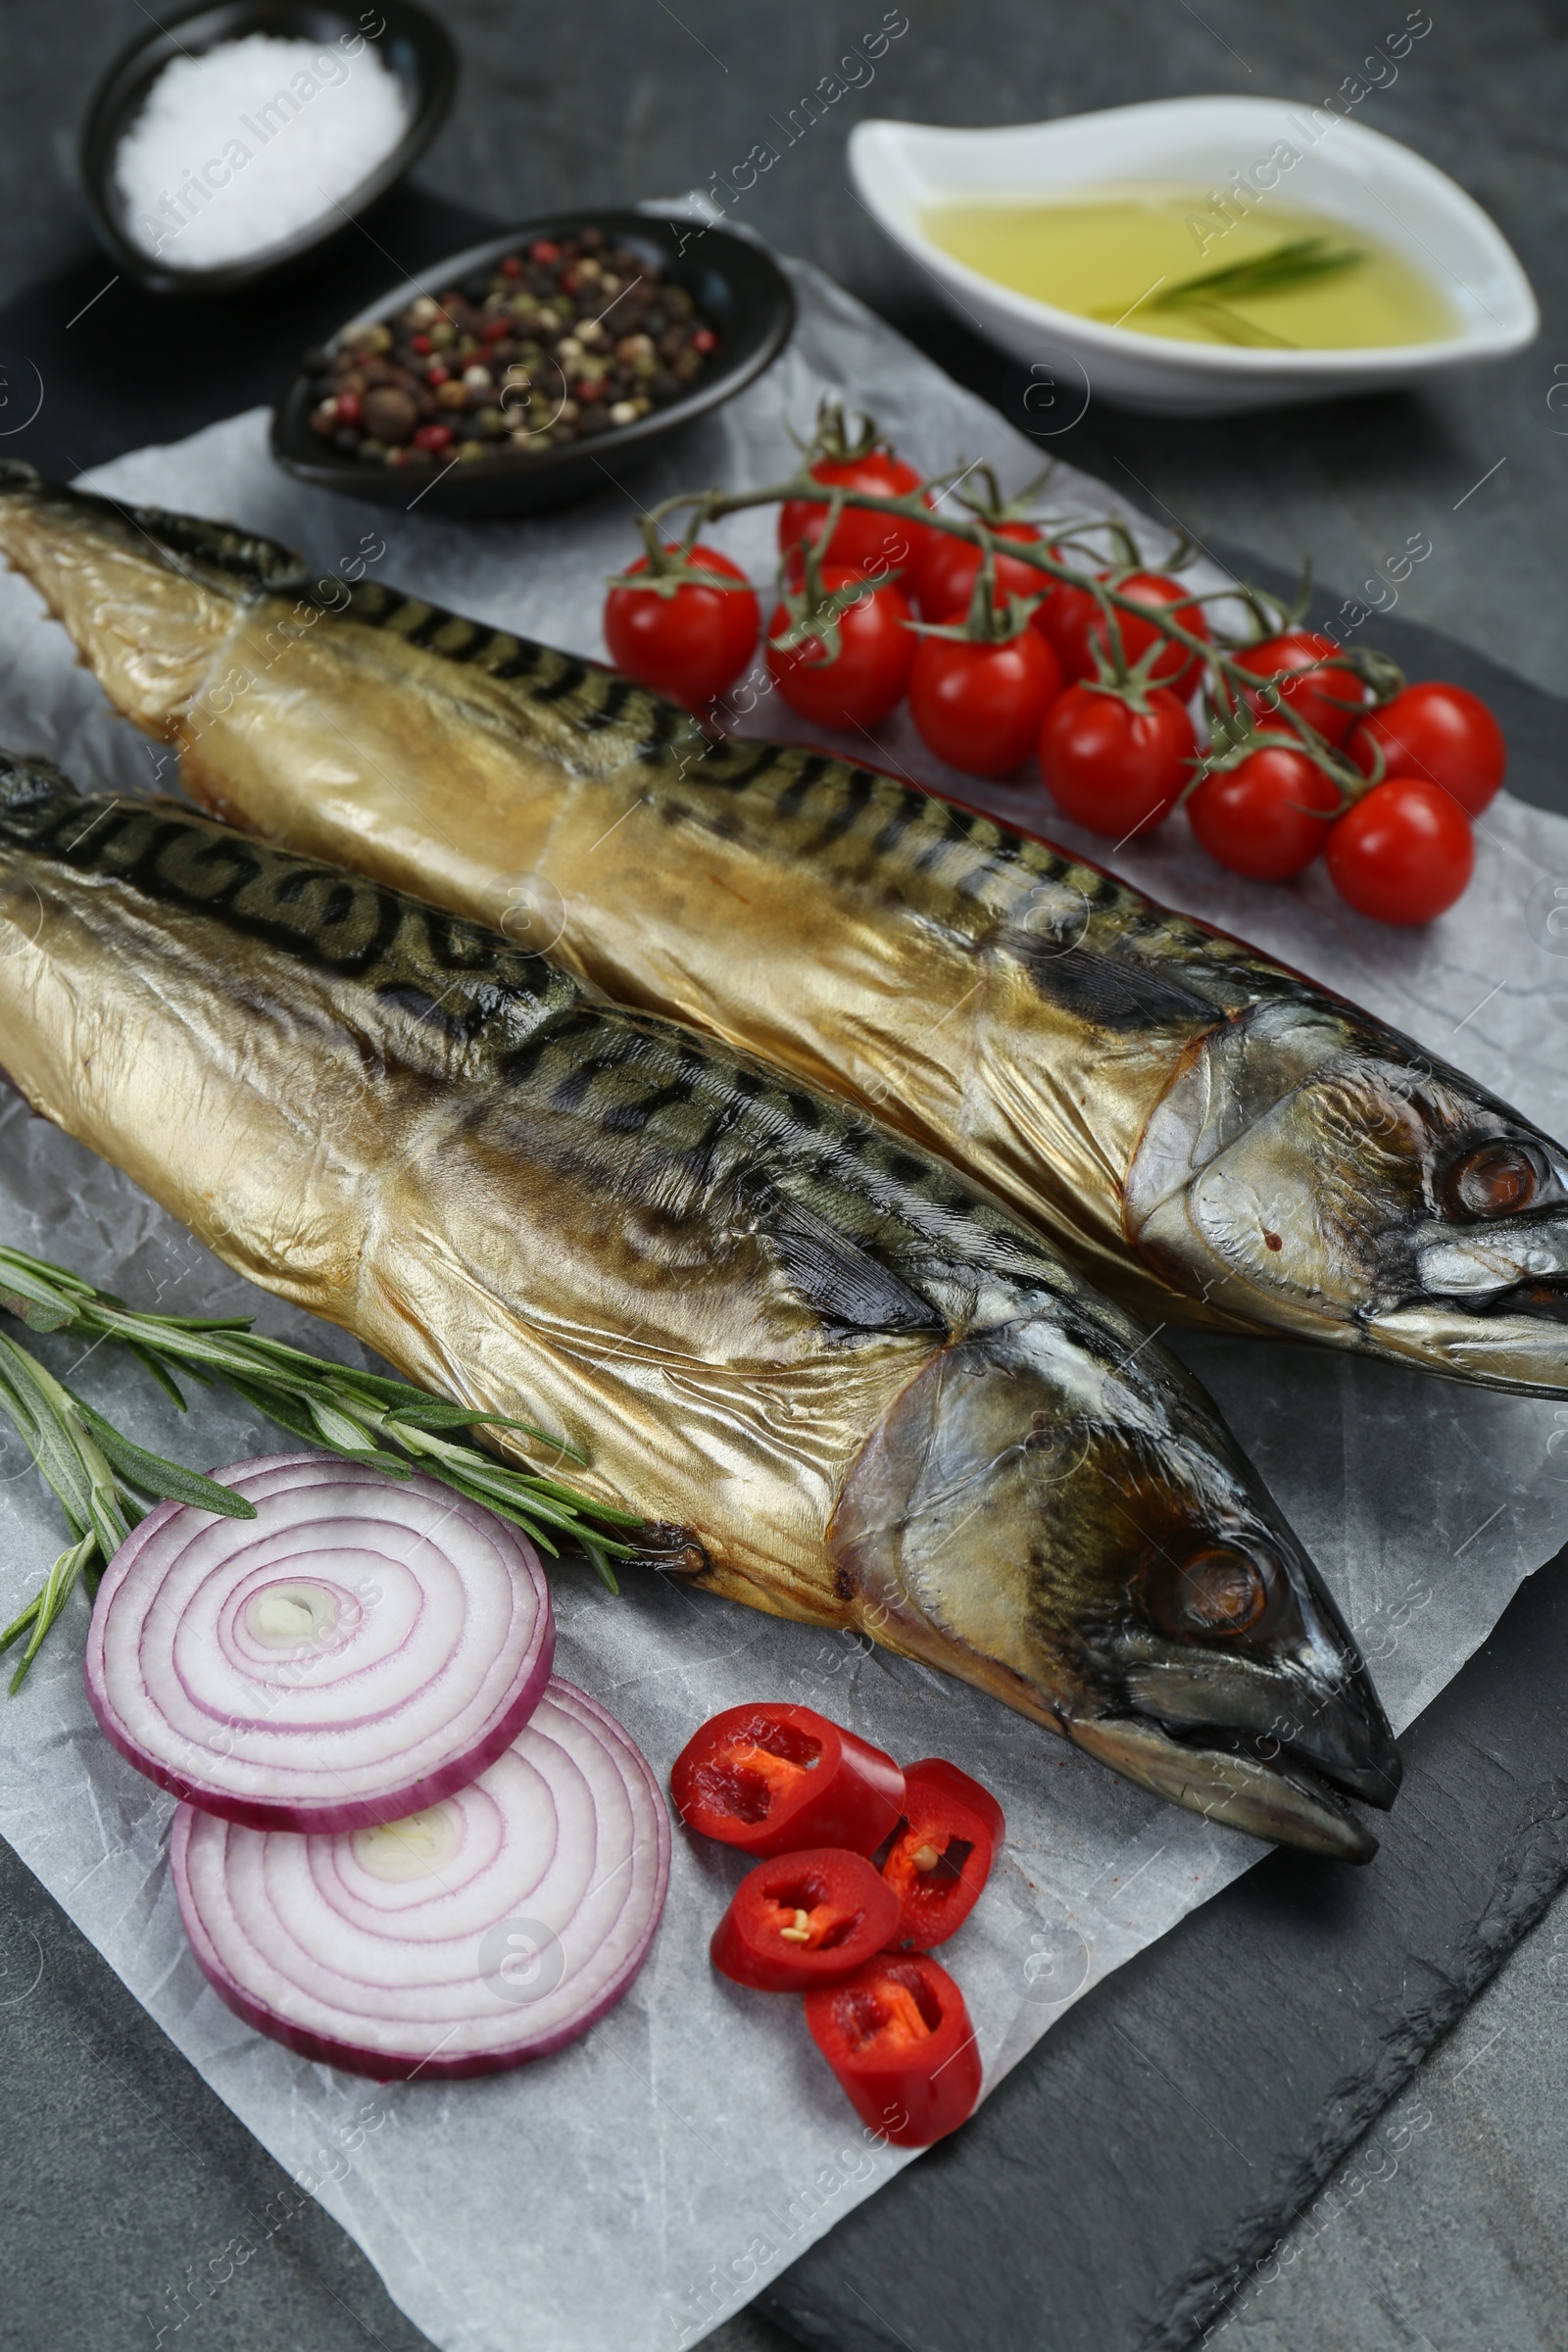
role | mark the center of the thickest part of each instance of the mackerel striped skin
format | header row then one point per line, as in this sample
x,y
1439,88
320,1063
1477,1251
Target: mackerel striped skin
x,y
875,1397
1215,1138
869,936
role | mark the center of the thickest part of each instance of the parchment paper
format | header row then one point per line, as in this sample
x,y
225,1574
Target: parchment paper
x,y
631,2191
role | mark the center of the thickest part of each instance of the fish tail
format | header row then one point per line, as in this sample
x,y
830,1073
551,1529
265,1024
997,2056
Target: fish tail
x,y
27,779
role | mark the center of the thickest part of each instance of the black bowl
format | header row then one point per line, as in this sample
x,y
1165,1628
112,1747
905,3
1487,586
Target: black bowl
x,y
737,286
413,46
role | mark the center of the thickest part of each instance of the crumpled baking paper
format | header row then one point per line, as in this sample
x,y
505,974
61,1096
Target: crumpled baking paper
x,y
633,2190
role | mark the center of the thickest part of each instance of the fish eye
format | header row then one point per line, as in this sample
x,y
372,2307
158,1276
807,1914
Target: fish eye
x,y
1214,1592
1495,1179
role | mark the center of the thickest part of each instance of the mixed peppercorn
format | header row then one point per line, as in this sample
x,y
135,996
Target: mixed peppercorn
x,y
555,343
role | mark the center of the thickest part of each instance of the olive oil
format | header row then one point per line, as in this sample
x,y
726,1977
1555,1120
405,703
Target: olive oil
x,y
1156,259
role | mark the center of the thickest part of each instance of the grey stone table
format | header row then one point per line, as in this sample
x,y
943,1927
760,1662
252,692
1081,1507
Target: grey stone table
x,y
1448,2229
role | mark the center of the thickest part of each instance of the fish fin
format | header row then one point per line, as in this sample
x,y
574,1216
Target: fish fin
x,y
1113,992
839,1279
245,554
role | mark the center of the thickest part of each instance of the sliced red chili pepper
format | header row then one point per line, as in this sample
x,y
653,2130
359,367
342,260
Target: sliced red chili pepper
x,y
940,1774
801,1919
899,2039
772,1779
939,1857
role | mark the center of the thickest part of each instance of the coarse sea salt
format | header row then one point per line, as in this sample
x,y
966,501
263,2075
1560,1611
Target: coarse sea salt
x,y
237,150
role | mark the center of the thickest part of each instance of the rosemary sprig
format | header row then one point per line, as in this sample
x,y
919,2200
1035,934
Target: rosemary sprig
x,y
1292,264
105,1484
1296,262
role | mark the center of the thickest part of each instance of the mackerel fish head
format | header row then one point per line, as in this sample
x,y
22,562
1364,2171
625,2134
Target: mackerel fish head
x,y
149,599
1054,1510
1311,1169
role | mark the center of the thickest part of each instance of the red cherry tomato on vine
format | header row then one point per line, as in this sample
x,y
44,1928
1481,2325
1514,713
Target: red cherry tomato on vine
x,y
1442,733
875,544
949,569
1111,767
1327,699
979,706
1405,854
691,645
1065,618
876,652
1073,620
1267,816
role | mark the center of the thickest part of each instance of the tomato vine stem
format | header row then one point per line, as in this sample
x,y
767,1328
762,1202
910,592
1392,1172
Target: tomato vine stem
x,y
1237,725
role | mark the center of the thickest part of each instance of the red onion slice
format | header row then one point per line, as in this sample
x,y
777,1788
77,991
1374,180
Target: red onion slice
x,y
359,1648
486,1929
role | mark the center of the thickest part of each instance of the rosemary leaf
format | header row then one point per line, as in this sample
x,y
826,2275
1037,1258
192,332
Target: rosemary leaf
x,y
169,1481
431,1412
66,1458
1298,261
46,1606
148,1361
37,1304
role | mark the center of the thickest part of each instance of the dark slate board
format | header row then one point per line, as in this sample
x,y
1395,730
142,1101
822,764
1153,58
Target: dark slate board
x,y
1121,2182
139,2212
1124,2177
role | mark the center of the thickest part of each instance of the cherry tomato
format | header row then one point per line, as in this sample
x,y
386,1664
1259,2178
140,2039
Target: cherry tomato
x,y
1327,699
1111,767
1261,816
940,1855
979,706
876,653
949,569
899,2039
875,544
1065,620
774,1777
691,645
805,1919
1073,618
1439,732
1405,854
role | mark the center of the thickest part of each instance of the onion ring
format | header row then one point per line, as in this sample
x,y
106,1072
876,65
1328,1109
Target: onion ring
x,y
359,1649
486,1929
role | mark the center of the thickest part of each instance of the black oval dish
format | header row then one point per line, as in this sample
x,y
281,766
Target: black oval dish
x,y
737,285
411,44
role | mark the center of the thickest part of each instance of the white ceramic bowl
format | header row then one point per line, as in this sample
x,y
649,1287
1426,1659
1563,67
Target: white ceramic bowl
x,y
1355,175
